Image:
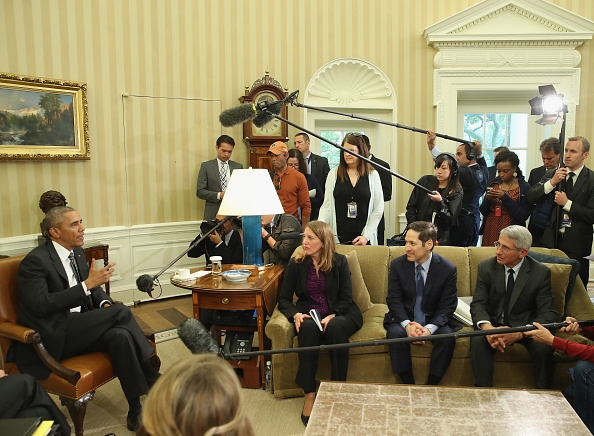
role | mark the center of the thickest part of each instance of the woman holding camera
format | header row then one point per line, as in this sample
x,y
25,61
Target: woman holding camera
x,y
320,278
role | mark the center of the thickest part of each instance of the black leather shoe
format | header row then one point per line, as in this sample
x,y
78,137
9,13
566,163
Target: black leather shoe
x,y
133,422
304,419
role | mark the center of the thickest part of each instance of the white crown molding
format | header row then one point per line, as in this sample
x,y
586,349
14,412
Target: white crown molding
x,y
350,82
511,22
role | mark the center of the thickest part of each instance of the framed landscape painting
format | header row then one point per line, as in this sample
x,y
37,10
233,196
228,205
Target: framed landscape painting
x,y
43,118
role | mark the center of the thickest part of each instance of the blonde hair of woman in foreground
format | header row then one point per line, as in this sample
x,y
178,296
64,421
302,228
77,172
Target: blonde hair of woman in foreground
x,y
197,396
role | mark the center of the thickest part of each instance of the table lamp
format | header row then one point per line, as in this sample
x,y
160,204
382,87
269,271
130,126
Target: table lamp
x,y
250,194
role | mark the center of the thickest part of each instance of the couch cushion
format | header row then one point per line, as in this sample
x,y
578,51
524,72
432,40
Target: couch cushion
x,y
373,260
360,292
559,280
549,258
372,330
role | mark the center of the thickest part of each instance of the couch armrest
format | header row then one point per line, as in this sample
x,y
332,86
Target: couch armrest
x,y
280,331
26,335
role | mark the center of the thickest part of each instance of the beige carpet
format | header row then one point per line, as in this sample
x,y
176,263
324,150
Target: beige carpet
x,y
268,415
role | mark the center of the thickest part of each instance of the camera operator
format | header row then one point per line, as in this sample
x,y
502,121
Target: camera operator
x,y
275,248
225,242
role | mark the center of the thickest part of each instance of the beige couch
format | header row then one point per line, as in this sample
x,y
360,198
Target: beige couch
x,y
372,363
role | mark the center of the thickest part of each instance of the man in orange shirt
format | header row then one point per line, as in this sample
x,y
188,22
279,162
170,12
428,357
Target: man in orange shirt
x,y
289,183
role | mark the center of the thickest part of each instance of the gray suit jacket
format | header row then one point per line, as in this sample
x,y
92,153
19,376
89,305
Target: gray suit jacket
x,y
209,185
531,299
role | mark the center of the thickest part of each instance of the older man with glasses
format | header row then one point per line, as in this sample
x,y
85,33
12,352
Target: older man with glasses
x,y
512,290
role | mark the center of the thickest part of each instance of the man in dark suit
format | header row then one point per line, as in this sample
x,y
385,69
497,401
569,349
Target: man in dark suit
x,y
214,176
550,152
317,166
386,180
226,242
493,170
421,299
61,298
570,225
512,290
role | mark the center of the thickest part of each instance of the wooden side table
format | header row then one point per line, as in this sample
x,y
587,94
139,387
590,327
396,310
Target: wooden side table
x,y
259,293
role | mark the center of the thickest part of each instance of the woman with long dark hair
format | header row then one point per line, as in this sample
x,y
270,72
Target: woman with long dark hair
x,y
506,202
443,207
353,198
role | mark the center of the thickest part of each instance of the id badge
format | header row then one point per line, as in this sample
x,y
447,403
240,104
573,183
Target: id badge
x,y
497,210
352,210
433,217
566,221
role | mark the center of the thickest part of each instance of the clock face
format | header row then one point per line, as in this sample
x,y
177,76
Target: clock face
x,y
274,127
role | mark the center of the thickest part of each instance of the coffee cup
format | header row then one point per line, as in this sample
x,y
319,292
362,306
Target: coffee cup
x,y
183,273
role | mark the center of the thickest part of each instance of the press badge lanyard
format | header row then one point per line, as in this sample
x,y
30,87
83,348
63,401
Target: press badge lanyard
x,y
352,206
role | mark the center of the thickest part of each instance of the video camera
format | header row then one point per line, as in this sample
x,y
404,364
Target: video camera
x,y
206,226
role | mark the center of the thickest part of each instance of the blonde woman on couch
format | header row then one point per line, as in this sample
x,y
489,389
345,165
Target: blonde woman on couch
x,y
320,278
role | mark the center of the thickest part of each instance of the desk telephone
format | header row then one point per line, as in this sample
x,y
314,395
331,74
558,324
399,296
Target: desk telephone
x,y
238,342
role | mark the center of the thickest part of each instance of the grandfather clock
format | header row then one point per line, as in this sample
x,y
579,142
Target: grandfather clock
x,y
259,139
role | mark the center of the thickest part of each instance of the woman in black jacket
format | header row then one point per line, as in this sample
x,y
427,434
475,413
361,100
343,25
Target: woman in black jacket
x,y
443,207
321,280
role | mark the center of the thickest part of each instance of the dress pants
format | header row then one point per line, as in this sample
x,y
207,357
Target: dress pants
x,y
113,330
481,355
441,356
21,396
583,376
338,331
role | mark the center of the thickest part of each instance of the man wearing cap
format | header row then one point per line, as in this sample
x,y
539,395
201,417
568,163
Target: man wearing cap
x,y
289,183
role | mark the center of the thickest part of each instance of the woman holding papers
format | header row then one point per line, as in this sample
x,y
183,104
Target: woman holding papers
x,y
321,280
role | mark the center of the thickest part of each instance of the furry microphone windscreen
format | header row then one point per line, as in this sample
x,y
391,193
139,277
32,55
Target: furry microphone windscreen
x,y
237,115
195,336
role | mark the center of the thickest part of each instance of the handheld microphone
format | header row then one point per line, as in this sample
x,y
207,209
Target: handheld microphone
x,y
196,338
144,283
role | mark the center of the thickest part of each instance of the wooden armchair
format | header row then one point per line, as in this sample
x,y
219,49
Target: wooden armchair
x,y
75,379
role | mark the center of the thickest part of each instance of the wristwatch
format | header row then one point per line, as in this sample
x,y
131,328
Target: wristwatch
x,y
267,236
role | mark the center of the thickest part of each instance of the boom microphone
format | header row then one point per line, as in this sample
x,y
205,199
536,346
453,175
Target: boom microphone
x,y
238,115
144,283
196,338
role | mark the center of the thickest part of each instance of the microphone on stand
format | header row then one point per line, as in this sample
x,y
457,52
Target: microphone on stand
x,y
196,338
144,283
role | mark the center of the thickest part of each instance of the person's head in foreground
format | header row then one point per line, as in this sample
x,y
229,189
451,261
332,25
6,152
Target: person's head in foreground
x,y
200,395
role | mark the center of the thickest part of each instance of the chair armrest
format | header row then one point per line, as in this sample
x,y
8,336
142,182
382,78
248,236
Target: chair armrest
x,y
26,335
280,331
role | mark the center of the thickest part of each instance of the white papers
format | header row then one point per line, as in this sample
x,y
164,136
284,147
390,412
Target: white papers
x,y
315,315
462,313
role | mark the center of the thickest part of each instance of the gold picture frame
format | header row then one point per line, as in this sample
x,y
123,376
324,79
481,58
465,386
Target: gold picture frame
x,y
43,119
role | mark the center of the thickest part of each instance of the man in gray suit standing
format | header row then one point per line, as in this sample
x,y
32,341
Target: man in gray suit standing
x,y
214,176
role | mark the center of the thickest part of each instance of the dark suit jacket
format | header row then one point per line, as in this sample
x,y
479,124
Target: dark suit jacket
x,y
536,174
319,169
385,177
232,253
339,290
45,299
439,296
579,235
209,185
531,299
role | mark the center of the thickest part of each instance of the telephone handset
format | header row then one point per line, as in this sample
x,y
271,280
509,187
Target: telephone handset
x,y
238,342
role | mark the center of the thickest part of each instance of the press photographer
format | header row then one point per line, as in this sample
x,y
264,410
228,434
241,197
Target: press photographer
x,y
225,242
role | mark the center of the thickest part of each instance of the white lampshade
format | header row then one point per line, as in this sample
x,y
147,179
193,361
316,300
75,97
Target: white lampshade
x,y
250,192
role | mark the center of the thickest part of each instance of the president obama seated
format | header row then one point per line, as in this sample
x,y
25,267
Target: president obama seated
x,y
62,299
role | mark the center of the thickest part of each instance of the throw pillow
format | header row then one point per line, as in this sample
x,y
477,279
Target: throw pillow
x,y
559,280
360,292
575,269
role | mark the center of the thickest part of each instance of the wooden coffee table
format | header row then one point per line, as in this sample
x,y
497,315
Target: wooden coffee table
x,y
374,409
259,293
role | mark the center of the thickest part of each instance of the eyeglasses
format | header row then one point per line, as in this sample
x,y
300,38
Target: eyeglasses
x,y
504,248
294,165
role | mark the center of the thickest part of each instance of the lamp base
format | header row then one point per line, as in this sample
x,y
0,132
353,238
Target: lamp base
x,y
252,240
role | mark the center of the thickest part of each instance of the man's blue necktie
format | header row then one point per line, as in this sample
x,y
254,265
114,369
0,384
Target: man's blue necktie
x,y
420,284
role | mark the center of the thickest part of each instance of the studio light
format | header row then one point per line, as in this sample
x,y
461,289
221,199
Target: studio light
x,y
550,105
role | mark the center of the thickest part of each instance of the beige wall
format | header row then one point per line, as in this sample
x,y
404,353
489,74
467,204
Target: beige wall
x,y
199,55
